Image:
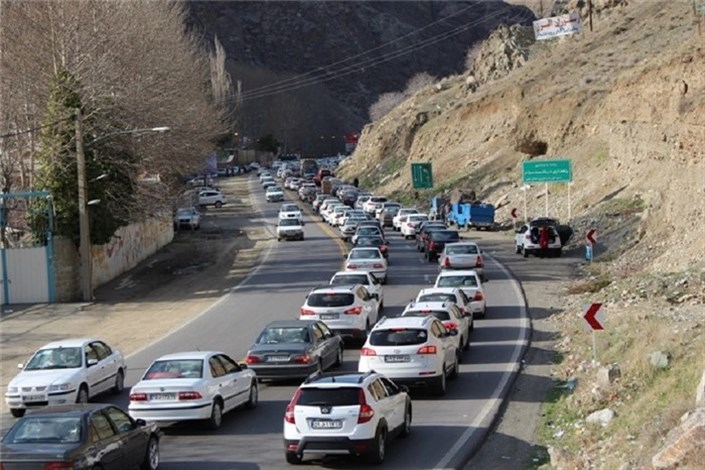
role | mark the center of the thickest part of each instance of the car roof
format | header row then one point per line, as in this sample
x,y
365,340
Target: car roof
x,y
337,379
73,409
423,306
438,290
69,343
335,288
401,322
365,248
458,272
462,243
188,355
340,273
290,323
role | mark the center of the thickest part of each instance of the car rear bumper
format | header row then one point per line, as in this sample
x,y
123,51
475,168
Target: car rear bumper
x,y
171,412
329,445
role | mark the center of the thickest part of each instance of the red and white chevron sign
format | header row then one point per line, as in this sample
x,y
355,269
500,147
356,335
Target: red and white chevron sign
x,y
591,236
594,315
514,213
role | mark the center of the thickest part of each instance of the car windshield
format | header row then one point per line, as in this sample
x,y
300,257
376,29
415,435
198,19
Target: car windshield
x,y
417,217
289,222
457,281
330,299
289,208
436,297
343,279
45,430
368,230
175,369
185,212
275,335
344,396
398,337
444,235
462,250
370,241
440,314
364,254
274,189
57,358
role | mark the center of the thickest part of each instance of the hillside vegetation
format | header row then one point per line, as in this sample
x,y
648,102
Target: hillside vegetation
x,y
626,103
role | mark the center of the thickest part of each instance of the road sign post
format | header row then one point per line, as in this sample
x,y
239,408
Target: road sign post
x,y
421,175
547,171
590,241
594,317
514,217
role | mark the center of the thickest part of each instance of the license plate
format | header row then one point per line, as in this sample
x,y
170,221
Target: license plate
x,y
277,358
162,396
33,398
329,316
404,358
326,424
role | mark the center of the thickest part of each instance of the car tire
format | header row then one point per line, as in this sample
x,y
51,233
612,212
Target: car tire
x,y
517,249
463,342
17,412
218,204
151,456
279,239
379,450
525,252
406,425
216,418
456,367
339,357
119,383
439,386
252,402
82,395
293,458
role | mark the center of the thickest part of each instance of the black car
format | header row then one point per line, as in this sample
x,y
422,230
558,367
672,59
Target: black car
x,y
373,240
422,234
80,436
436,240
294,349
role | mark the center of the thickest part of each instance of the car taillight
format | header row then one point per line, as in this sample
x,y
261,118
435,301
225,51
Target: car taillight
x,y
354,311
366,411
190,396
431,246
55,466
450,325
304,359
446,262
478,296
252,360
431,349
480,262
138,397
368,352
305,311
289,413
351,267
378,266
527,236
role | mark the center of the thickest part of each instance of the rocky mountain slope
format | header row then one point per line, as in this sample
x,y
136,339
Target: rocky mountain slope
x,y
626,103
337,57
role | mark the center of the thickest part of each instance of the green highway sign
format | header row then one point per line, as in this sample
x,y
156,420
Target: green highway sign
x,y
547,171
421,175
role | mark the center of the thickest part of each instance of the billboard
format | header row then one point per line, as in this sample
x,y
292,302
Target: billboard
x,y
555,26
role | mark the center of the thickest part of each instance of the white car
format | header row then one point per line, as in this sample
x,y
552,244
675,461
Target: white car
x,y
211,197
345,413
418,351
198,385
462,255
364,278
401,216
264,175
449,314
290,229
527,239
367,259
349,310
63,372
336,217
291,211
454,294
187,217
410,223
470,283
274,194
370,206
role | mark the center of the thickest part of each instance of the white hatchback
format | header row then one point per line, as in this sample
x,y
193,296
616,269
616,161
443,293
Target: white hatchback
x,y
367,259
401,216
410,223
198,385
470,283
63,372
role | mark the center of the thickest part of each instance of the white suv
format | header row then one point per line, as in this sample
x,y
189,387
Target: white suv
x,y
365,278
412,350
349,310
449,314
345,413
527,238
470,283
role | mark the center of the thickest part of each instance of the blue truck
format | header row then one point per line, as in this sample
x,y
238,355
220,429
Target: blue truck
x,y
475,215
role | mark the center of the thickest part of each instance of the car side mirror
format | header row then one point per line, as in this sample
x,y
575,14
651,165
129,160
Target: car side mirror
x,y
452,332
242,366
91,362
403,388
20,366
139,422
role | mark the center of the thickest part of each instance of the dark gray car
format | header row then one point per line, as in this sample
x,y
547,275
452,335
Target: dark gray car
x,y
294,349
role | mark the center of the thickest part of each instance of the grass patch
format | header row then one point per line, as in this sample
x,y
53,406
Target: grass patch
x,y
591,285
539,458
622,206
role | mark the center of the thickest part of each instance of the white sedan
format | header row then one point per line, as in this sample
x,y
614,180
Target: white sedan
x,y
63,372
198,385
290,211
367,259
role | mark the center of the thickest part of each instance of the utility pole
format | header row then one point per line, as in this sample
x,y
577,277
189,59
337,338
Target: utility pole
x,y
589,6
86,269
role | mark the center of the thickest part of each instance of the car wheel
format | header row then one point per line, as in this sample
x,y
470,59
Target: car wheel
x,y
525,252
151,457
517,249
454,373
406,427
439,388
462,343
82,396
218,204
379,451
216,418
17,412
254,396
279,239
339,357
293,458
381,309
119,383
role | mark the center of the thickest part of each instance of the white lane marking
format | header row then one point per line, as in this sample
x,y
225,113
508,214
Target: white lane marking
x,y
494,401
222,298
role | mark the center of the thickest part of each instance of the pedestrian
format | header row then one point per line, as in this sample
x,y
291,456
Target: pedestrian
x,y
543,241
356,182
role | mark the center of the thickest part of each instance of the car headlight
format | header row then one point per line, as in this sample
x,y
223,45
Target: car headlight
x,y
59,387
12,389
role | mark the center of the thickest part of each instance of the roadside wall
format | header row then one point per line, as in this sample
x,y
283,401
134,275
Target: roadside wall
x,y
129,246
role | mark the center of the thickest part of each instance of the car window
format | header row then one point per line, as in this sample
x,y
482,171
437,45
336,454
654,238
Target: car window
x,y
437,329
462,249
229,365
342,279
57,358
324,329
398,337
101,349
440,314
377,390
317,334
444,235
217,369
436,297
456,312
344,396
276,335
330,299
391,387
175,369
90,353
120,419
363,294
101,427
457,281
45,430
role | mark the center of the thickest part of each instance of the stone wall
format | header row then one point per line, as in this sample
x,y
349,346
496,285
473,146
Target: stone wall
x,y
66,270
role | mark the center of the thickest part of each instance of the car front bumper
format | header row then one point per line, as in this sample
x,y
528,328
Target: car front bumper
x,y
39,400
283,372
291,235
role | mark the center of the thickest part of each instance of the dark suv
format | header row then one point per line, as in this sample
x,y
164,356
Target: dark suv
x,y
436,241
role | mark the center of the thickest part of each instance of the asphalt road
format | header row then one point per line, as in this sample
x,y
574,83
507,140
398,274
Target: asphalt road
x,y
445,431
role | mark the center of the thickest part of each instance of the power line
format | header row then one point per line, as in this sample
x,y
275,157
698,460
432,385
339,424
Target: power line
x,y
35,129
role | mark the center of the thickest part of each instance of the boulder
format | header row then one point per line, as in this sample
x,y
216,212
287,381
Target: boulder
x,y
608,375
700,393
660,359
601,417
560,459
684,443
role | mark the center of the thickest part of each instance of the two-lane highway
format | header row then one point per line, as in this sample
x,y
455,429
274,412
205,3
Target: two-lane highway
x,y
445,430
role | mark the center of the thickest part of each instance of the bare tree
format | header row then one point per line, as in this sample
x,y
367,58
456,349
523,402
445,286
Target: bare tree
x,y
472,54
418,82
384,104
221,82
